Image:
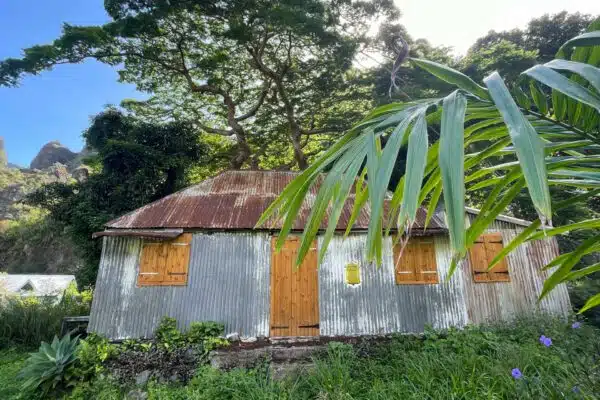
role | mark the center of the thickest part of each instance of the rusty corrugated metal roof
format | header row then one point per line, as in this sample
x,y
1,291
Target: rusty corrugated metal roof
x,y
235,200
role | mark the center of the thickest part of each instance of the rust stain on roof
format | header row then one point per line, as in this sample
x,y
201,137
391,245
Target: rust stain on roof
x,y
236,200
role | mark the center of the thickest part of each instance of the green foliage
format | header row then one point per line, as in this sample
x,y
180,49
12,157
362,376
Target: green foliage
x,y
167,335
92,354
505,57
545,34
274,76
11,362
35,244
28,321
50,368
472,363
199,331
138,166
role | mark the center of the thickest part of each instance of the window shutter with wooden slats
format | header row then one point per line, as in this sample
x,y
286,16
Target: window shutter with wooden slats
x,y
178,260
483,251
152,261
417,265
165,263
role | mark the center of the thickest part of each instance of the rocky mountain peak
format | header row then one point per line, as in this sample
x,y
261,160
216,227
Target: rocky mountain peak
x,y
52,153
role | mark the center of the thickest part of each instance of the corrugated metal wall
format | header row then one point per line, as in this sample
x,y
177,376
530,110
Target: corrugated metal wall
x,y
228,282
377,305
498,301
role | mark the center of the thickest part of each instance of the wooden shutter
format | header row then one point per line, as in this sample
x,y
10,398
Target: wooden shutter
x,y
483,251
178,260
152,261
165,262
417,264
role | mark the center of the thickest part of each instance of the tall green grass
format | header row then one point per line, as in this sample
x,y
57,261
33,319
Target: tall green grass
x,y
474,363
28,321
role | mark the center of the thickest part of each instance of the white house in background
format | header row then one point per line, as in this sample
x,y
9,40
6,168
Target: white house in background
x,y
41,286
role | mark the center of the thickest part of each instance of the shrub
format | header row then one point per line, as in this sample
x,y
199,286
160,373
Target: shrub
x,y
167,335
29,321
50,369
92,354
199,331
472,363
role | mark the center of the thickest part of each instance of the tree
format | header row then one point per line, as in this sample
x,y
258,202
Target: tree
x,y
137,163
555,140
504,56
409,82
220,64
545,34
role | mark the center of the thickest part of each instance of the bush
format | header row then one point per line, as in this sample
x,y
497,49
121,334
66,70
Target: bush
x,y
92,354
472,363
199,331
50,369
205,334
29,321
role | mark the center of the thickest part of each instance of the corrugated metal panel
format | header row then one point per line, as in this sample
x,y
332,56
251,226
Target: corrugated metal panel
x,y
501,301
228,282
236,200
377,305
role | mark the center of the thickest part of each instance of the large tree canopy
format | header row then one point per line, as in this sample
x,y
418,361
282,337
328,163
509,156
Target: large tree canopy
x,y
225,65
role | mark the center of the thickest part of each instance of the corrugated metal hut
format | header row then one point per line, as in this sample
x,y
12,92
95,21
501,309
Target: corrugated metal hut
x,y
195,256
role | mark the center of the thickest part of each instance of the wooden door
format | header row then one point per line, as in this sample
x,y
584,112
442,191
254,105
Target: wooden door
x,y
294,291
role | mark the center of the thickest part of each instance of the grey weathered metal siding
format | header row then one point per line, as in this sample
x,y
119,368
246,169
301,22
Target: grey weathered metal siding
x,y
377,305
501,301
228,282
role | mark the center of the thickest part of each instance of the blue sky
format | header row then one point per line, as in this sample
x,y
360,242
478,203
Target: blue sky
x,y
57,104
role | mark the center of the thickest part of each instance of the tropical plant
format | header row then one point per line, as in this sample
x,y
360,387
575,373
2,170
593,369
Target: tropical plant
x,y
49,368
549,129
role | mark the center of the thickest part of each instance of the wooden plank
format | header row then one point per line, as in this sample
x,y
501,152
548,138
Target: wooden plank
x,y
280,290
305,305
150,272
493,246
495,237
406,263
428,263
478,257
418,263
178,260
482,253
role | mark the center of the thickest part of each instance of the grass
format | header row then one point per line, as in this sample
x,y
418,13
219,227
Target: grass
x,y
11,361
474,363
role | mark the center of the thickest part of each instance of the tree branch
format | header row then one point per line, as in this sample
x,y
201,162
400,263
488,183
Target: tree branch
x,y
222,132
331,130
258,104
